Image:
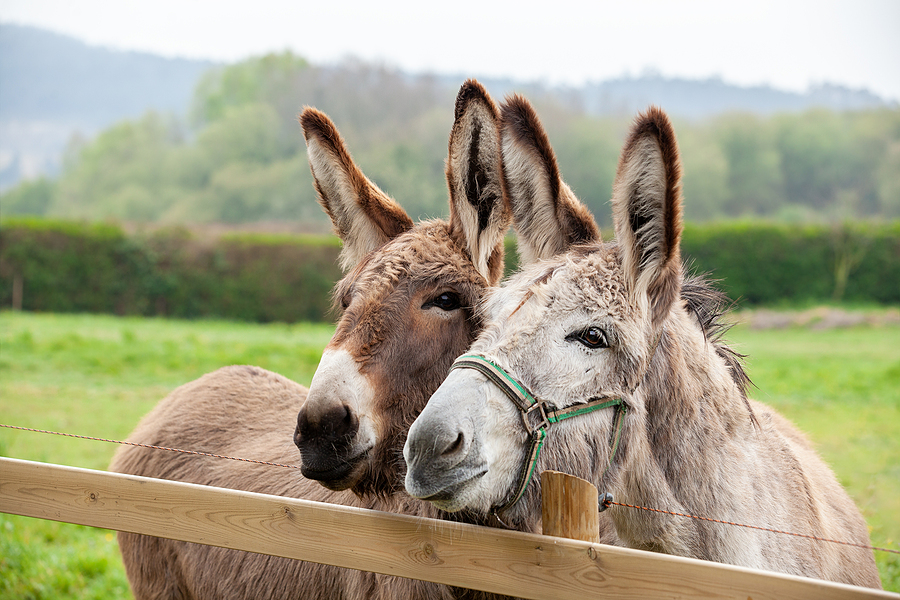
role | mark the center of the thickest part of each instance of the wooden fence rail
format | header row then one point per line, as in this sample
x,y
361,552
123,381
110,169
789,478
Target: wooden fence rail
x,y
505,562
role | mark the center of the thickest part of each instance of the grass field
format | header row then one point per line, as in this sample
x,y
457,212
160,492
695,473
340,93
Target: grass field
x,y
97,375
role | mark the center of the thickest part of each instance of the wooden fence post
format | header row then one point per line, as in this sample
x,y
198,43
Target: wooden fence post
x,y
569,507
17,287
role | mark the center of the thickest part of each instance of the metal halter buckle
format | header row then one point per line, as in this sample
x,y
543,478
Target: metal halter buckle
x,y
544,422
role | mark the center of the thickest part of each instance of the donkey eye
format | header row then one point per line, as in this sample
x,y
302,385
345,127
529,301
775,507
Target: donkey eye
x,y
445,301
592,337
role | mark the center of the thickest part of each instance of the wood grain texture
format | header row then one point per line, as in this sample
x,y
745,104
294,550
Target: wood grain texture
x,y
505,562
569,507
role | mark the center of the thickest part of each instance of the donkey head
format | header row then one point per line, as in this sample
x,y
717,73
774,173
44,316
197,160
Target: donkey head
x,y
407,298
572,328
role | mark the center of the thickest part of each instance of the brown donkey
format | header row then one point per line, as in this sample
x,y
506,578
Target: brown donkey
x,y
632,386
407,312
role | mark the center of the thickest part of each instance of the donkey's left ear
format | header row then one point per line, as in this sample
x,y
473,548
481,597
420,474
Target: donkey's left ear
x,y
479,209
647,211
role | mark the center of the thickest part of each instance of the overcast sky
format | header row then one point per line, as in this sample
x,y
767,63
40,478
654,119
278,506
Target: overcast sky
x,y
785,43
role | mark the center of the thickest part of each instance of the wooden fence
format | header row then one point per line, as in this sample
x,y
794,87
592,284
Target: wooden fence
x,y
506,562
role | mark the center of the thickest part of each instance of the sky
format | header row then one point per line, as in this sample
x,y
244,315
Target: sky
x,y
788,44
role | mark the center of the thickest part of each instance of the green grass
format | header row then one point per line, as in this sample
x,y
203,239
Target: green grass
x,y
842,388
98,375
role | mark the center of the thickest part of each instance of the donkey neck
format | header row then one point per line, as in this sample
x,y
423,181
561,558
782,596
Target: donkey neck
x,y
688,387
689,423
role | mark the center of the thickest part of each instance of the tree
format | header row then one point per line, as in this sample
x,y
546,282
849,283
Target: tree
x,y
754,171
267,79
28,198
243,158
705,182
125,167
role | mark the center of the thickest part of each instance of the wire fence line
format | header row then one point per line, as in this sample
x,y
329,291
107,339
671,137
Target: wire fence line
x,y
606,501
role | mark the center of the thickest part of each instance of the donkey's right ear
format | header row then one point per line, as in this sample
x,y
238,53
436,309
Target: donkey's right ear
x,y
363,216
547,216
647,211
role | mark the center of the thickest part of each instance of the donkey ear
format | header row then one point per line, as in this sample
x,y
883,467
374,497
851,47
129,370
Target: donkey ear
x,y
479,209
547,216
363,216
647,211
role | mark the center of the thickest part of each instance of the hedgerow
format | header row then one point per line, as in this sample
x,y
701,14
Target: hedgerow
x,y
66,266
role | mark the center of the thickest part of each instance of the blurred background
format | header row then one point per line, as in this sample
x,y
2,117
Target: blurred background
x,y
173,112
174,124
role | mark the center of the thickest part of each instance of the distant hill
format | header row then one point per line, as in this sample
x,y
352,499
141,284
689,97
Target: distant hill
x,y
51,77
53,86
687,98
697,99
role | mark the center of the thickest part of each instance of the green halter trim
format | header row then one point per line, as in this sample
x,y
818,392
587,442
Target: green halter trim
x,y
537,415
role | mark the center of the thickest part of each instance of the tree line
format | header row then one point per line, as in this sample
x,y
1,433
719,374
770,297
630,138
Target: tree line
x,y
239,156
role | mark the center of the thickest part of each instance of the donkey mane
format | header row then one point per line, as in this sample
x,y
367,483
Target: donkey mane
x,y
710,306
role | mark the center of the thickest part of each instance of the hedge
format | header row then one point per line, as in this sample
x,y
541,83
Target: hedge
x,y
70,267
77,267
778,264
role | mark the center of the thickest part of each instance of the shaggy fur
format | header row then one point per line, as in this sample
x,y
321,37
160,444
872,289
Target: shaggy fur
x,y
691,443
401,342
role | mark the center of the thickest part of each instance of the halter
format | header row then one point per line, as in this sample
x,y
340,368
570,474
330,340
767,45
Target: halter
x,y
537,415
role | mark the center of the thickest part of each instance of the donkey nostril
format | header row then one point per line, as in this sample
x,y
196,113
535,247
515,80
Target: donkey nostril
x,y
456,446
302,424
325,423
342,422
